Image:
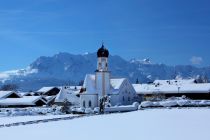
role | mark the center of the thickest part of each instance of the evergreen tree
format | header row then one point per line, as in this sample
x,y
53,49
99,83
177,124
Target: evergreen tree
x,y
137,81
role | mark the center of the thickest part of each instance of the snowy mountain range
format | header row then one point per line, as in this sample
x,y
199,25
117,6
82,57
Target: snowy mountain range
x,y
69,69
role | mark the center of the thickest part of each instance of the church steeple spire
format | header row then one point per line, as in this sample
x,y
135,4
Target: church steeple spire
x,y
103,55
102,52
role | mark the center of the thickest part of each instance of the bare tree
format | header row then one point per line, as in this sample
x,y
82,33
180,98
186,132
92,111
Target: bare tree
x,y
66,106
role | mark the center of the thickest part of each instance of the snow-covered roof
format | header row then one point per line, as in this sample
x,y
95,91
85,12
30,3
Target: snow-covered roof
x,y
35,93
89,84
26,100
68,94
49,98
73,87
45,89
5,94
174,82
24,93
116,83
195,88
172,89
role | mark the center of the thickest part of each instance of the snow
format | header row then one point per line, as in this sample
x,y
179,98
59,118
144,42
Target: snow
x,y
126,108
175,82
49,98
6,75
68,94
151,124
172,88
30,111
139,61
15,119
175,101
89,83
90,86
73,87
24,93
116,83
45,89
196,88
5,94
25,100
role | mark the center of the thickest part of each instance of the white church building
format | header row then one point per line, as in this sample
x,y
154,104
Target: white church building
x,y
120,91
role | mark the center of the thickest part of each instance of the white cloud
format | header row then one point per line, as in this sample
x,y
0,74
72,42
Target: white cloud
x,y
6,75
195,60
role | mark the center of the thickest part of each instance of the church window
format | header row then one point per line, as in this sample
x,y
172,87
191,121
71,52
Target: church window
x,y
123,98
83,103
89,103
128,98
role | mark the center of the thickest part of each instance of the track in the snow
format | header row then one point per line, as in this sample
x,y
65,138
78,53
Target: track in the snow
x,y
39,121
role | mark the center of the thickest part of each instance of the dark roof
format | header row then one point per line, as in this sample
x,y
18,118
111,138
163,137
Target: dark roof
x,y
103,52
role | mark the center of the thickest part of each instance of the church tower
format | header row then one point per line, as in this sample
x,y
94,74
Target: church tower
x,y
102,73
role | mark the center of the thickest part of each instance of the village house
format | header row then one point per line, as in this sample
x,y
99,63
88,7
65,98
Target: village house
x,y
70,94
13,99
163,89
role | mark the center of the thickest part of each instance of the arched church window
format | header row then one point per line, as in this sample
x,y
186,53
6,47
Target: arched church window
x,y
123,98
129,99
89,103
83,103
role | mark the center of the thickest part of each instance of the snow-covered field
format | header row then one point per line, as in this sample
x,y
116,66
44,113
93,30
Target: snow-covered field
x,y
149,124
30,111
8,120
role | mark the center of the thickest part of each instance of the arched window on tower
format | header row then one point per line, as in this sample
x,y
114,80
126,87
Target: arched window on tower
x,y
129,99
89,103
83,103
123,98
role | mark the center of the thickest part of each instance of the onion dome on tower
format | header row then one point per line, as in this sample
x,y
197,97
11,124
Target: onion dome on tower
x,y
103,52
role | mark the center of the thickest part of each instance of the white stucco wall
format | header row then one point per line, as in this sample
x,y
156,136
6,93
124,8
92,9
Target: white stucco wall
x,y
114,99
102,64
93,98
102,83
126,93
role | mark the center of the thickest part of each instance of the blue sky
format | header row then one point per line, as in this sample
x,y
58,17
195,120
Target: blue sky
x,y
166,31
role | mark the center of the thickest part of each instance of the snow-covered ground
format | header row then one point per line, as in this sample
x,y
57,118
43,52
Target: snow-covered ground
x,y
8,120
149,124
30,111
176,102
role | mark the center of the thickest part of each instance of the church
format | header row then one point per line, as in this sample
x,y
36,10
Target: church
x,y
96,86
